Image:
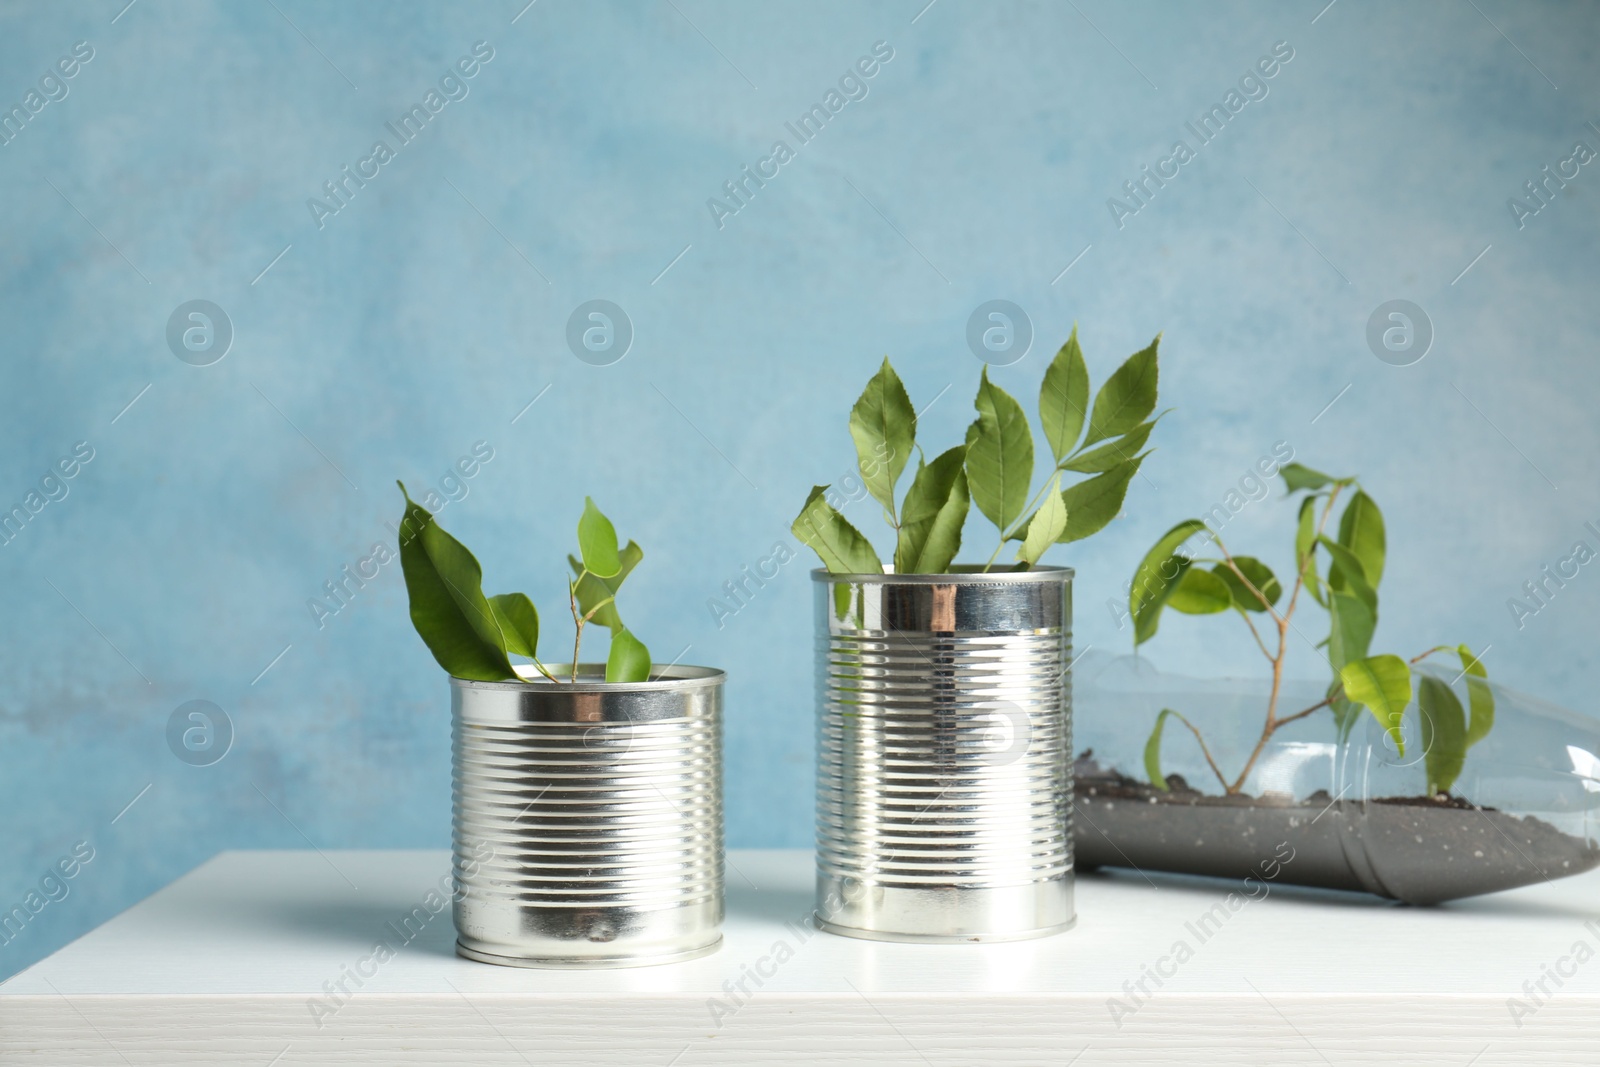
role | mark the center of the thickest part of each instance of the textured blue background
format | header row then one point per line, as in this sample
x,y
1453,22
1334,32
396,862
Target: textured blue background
x,y
426,314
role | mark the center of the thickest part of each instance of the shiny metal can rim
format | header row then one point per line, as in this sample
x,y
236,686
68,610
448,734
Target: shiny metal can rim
x,y
668,678
963,574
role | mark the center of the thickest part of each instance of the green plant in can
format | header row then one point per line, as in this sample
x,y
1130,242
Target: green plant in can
x,y
993,468
474,636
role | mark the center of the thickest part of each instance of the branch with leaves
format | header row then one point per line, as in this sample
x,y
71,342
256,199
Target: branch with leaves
x,y
1348,591
993,468
474,636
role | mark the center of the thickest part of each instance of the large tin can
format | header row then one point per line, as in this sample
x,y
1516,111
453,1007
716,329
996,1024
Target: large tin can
x,y
944,777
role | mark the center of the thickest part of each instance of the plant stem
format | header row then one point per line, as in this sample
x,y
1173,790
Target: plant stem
x,y
996,554
1204,751
1273,722
1248,584
1034,502
577,621
1005,534
1318,706
1339,692
1262,645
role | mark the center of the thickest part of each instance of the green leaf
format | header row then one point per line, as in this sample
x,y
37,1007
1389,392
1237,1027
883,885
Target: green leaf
x,y
1155,578
1381,684
448,608
1444,733
1305,537
930,488
841,546
1200,592
519,623
999,455
1350,626
597,595
1094,502
1147,618
1064,398
597,542
1152,752
1305,548
1480,698
1361,531
1346,573
1258,574
1297,476
1113,452
939,548
1127,398
1047,524
629,660
1318,588
1470,662
883,425
935,510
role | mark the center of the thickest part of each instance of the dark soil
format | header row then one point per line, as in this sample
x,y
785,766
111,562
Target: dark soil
x,y
1422,850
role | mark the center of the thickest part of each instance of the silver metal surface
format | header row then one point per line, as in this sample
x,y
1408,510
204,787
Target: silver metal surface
x,y
588,819
944,774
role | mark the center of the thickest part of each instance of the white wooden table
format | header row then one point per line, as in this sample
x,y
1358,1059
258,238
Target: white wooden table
x,y
232,964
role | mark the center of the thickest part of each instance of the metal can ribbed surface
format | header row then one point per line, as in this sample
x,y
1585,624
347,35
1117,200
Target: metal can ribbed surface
x,y
944,774
587,823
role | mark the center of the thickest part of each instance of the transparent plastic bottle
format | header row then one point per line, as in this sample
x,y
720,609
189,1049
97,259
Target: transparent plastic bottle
x,y
1317,809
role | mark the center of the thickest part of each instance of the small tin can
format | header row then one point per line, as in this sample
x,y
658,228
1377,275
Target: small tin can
x,y
587,823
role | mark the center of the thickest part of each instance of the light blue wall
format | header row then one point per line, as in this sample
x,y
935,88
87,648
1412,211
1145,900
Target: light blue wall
x,y
409,326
